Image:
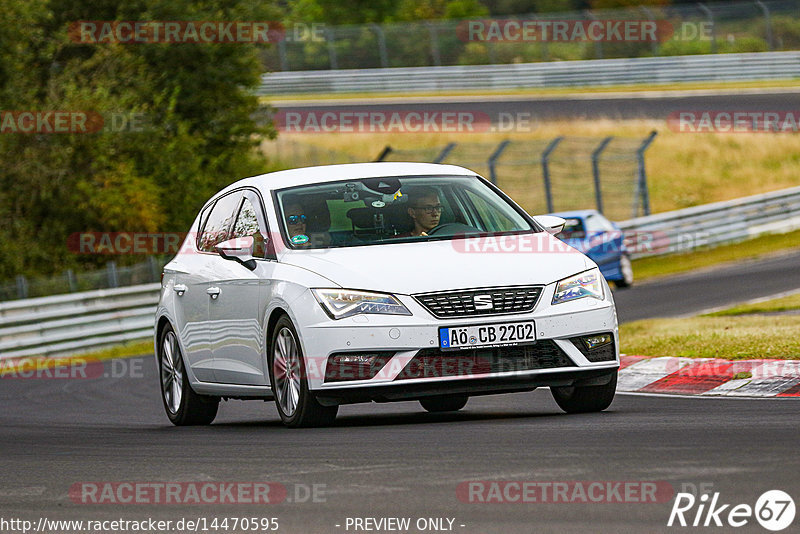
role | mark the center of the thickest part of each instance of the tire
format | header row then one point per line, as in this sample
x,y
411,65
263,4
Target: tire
x,y
451,403
183,406
296,405
626,268
585,399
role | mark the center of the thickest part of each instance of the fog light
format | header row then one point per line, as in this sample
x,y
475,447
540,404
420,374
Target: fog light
x,y
355,365
597,340
354,358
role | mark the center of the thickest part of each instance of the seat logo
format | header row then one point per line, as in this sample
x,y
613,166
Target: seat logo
x,y
482,302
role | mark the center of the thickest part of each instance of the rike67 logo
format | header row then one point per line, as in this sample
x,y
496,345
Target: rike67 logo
x,y
774,510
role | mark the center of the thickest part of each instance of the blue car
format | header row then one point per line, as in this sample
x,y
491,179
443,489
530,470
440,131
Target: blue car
x,y
601,240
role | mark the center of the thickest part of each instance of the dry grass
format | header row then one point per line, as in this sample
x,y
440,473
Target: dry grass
x,y
683,169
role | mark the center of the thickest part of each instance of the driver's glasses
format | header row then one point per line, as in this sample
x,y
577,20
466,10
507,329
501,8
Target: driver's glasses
x,y
430,210
296,219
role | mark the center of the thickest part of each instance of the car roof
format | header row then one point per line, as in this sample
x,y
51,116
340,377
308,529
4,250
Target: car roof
x,y
575,214
347,171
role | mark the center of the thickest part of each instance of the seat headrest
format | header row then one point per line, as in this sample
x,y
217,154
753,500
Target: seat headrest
x,y
362,217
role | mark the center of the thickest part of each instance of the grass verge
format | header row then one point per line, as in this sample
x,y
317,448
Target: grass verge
x,y
783,304
729,338
39,363
767,245
542,91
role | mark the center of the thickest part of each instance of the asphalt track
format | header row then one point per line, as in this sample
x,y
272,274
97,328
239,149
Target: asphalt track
x,y
633,105
694,292
394,460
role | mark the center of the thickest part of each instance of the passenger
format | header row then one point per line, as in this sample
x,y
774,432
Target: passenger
x,y
295,222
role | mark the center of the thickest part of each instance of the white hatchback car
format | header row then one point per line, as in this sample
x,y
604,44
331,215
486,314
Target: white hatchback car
x,y
378,282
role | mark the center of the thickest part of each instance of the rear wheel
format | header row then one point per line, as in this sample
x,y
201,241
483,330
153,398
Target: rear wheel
x,y
296,405
583,399
451,403
626,268
182,404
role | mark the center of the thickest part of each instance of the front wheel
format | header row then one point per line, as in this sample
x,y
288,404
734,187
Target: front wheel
x,y
583,399
182,404
296,405
451,403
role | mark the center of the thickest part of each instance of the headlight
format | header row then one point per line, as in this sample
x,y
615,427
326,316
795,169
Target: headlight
x,y
341,303
587,284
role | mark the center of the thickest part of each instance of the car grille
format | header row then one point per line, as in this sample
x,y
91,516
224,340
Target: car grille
x,y
504,300
430,363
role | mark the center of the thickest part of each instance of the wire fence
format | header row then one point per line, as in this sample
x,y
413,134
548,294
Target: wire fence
x,y
559,174
543,176
69,281
702,28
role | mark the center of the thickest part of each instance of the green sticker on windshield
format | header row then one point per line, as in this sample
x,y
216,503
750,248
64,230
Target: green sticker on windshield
x,y
300,239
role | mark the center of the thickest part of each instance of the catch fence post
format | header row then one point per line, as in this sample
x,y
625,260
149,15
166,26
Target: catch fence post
x,y
546,171
598,193
493,160
642,174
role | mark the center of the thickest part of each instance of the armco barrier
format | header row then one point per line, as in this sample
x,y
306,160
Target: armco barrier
x,y
64,324
76,322
717,223
649,70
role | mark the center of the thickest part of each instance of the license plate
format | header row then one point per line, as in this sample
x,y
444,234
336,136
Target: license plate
x,y
486,335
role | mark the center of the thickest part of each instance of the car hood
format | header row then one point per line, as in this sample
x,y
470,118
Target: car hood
x,y
409,268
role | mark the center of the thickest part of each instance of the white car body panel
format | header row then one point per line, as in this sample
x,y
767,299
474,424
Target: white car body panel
x,y
224,339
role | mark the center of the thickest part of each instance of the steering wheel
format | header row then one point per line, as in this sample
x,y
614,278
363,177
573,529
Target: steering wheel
x,y
453,228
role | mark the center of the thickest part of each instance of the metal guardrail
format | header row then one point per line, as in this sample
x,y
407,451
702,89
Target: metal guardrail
x,y
651,70
63,324
67,324
714,224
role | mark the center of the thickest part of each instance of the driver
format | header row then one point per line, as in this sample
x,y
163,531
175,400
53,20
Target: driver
x,y
425,209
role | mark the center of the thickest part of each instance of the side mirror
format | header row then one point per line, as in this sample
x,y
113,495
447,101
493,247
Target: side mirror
x,y
551,223
238,249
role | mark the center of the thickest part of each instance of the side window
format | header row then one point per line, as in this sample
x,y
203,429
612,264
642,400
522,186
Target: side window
x,y
247,225
218,224
597,223
247,222
573,229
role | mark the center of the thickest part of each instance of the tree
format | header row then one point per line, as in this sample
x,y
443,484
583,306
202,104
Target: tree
x,y
199,135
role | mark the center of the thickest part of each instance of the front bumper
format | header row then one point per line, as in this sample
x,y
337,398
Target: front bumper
x,y
405,337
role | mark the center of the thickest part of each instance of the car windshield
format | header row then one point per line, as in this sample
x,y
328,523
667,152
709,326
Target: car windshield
x,y
393,210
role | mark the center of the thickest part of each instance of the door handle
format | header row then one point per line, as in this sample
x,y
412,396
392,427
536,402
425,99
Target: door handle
x,y
180,289
213,292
